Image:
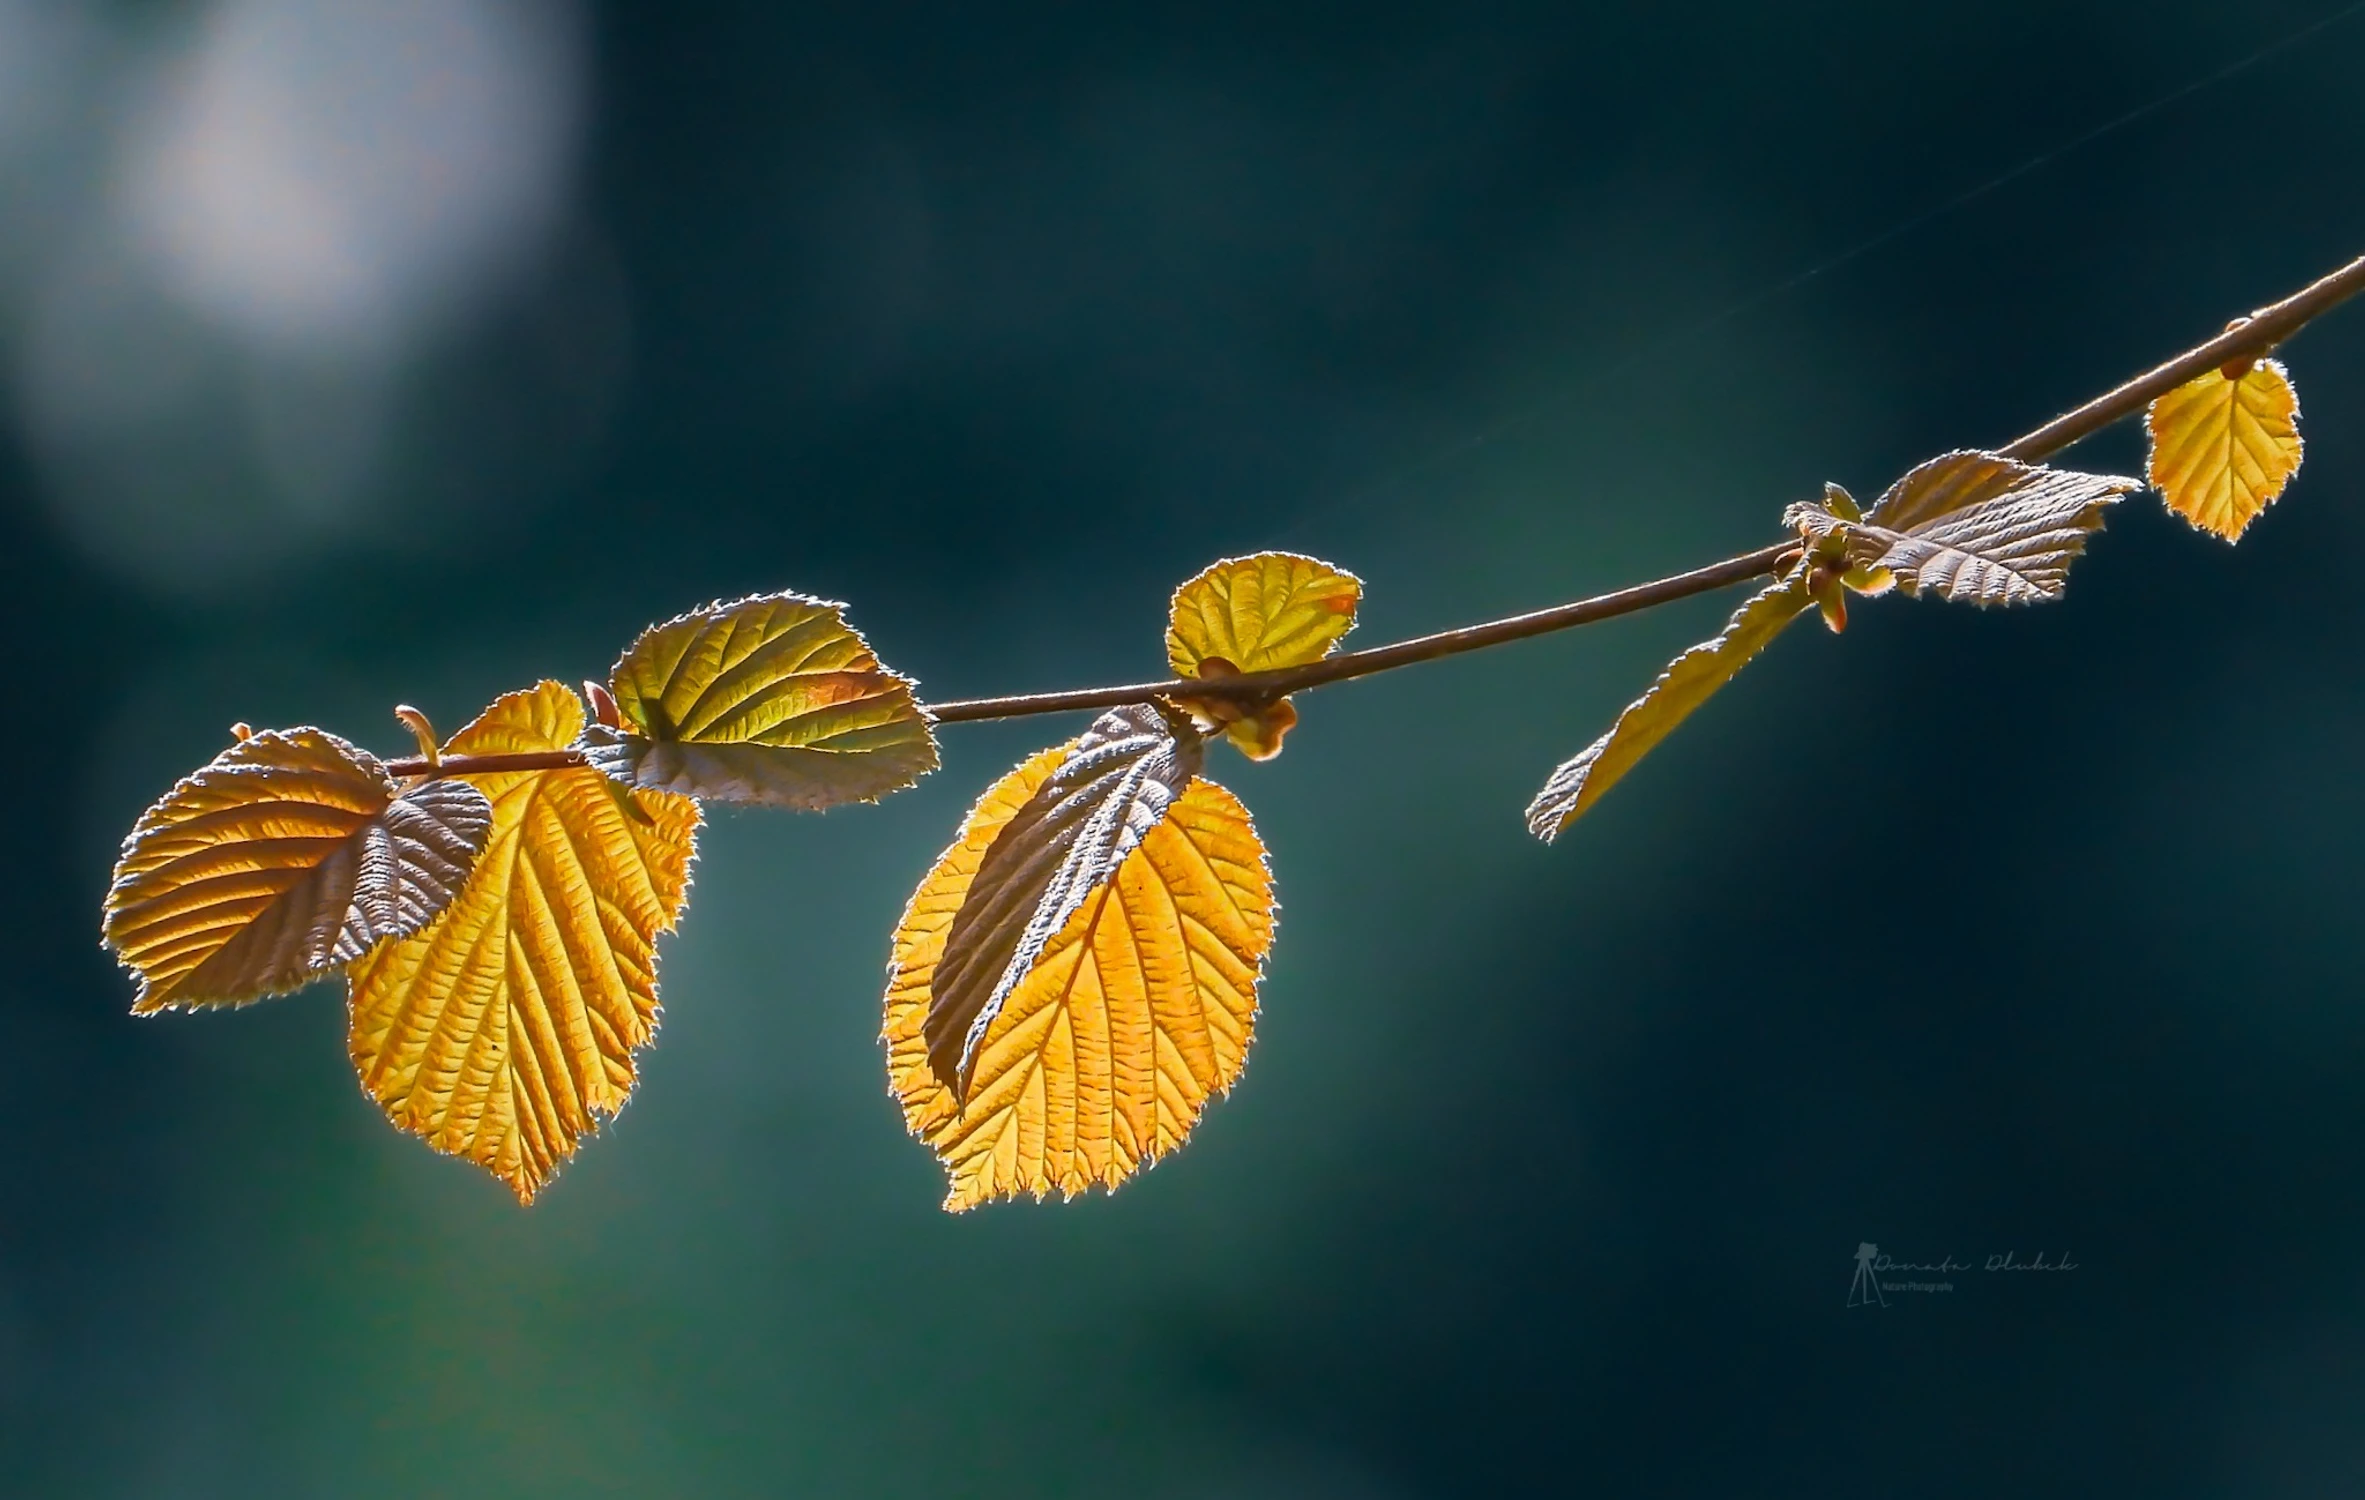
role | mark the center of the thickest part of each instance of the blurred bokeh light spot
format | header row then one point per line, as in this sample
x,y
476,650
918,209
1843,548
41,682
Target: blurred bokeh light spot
x,y
327,178
276,237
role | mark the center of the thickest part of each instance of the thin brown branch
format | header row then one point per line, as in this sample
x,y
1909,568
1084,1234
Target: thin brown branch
x,y
2254,335
1349,664
486,765
2248,337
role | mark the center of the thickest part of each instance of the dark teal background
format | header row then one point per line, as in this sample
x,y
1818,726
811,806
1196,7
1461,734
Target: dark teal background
x,y
1963,934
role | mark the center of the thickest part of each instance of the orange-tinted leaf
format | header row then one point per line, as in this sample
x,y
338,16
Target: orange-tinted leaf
x,y
1832,598
2222,450
770,699
1136,1012
507,1028
1689,681
1253,614
286,857
1117,780
1258,735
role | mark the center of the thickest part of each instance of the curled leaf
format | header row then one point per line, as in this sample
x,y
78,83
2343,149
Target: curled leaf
x,y
2224,447
1689,681
505,1029
1253,614
1137,1011
422,731
1832,579
1257,734
1111,785
1832,598
1975,527
289,855
770,699
1255,726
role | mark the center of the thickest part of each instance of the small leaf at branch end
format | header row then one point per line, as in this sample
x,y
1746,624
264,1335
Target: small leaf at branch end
x,y
2224,447
1254,614
1979,528
1689,681
1138,1011
507,1028
771,699
289,855
1110,787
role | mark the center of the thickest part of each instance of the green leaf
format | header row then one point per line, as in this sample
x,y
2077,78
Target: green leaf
x,y
771,699
1689,681
1254,614
1115,784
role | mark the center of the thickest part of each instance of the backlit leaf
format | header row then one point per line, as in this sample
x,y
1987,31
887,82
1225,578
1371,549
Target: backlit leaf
x,y
1980,528
1689,681
1253,614
1117,780
1275,609
2223,449
289,855
507,1028
1137,1011
770,699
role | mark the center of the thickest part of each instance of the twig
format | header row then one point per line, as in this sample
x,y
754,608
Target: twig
x,y
487,765
2252,336
2245,338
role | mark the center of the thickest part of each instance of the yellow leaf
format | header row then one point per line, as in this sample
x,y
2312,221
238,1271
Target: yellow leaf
x,y
1275,609
1689,681
502,1031
1135,1013
285,858
1253,614
770,699
2222,450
